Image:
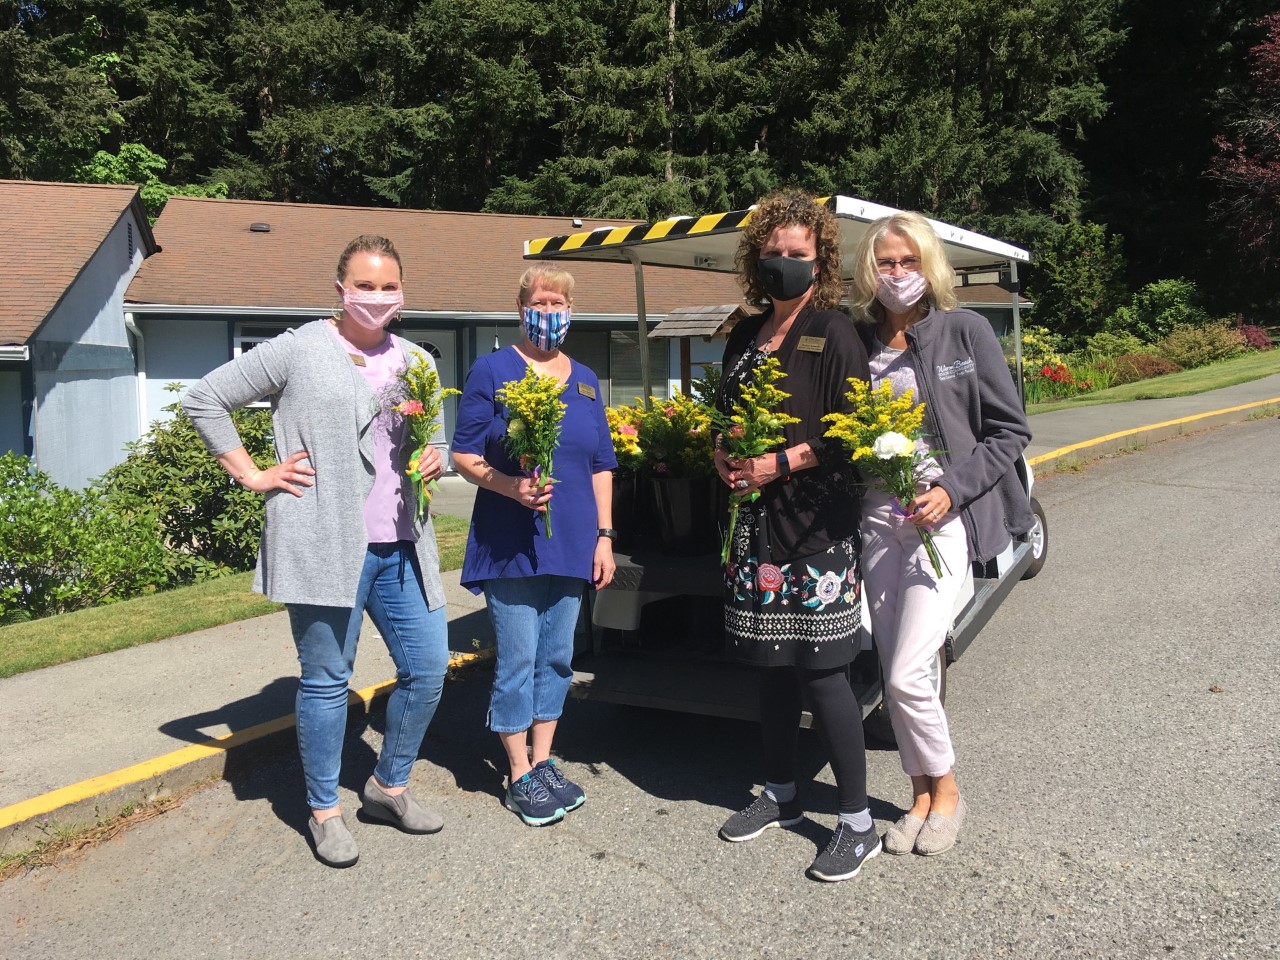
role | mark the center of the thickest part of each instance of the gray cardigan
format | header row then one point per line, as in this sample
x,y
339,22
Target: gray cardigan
x,y
975,421
313,546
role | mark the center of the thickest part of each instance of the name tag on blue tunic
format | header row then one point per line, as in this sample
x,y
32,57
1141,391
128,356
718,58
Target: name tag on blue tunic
x,y
587,390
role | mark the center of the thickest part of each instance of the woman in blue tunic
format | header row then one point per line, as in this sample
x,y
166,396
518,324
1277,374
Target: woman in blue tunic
x,y
533,584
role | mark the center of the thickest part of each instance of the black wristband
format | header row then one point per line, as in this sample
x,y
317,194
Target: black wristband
x,y
784,465
607,532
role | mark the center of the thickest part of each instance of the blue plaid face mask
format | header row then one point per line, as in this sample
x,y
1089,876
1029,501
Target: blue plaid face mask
x,y
545,330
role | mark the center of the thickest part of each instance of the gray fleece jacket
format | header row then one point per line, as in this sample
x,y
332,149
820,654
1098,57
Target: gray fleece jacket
x,y
313,546
975,421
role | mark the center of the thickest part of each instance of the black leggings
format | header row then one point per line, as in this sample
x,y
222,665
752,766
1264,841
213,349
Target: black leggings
x,y
782,692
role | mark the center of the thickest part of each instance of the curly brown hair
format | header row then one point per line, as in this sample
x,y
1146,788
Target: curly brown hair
x,y
792,208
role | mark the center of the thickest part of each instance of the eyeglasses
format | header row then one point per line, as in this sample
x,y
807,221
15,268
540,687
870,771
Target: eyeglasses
x,y
910,264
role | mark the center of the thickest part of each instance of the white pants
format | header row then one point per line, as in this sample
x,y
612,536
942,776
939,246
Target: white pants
x,y
911,612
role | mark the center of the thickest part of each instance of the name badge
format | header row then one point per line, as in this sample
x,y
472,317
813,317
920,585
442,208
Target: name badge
x,y
358,360
587,390
812,344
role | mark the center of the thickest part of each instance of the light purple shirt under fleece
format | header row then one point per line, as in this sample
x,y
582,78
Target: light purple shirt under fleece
x,y
386,516
897,366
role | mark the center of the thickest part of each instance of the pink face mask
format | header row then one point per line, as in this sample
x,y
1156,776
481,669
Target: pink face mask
x,y
372,308
900,294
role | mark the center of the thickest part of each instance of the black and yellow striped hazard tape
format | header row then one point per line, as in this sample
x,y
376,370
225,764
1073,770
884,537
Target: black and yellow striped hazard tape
x,y
646,232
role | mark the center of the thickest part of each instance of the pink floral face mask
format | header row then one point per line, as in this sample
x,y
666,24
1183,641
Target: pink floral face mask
x,y
373,309
900,294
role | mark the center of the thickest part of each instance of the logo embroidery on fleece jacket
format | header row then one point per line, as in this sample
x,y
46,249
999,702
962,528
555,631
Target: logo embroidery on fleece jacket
x,y
961,368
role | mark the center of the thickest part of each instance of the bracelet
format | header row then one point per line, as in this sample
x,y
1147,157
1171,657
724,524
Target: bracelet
x,y
784,465
240,477
607,532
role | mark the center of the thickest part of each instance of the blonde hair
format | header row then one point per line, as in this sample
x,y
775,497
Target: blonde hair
x,y
935,266
368,243
544,276
792,208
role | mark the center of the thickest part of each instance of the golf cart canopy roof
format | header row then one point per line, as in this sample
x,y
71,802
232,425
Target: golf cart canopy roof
x,y
710,242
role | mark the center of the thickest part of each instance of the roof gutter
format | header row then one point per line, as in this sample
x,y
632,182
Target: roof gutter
x,y
285,313
18,352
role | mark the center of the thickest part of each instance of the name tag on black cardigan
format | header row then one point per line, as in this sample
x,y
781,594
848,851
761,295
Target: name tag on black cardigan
x,y
587,390
812,344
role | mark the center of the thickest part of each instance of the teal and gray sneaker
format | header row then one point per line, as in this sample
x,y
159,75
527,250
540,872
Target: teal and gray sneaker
x,y
530,799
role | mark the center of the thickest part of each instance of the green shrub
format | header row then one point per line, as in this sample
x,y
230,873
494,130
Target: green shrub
x,y
1132,367
63,550
211,524
1157,308
1077,280
1190,346
1107,346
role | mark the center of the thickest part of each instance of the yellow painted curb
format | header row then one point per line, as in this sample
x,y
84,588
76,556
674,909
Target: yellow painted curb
x,y
1084,445
54,800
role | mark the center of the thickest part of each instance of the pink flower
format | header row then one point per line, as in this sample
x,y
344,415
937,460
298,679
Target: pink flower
x,y
411,408
627,430
737,430
670,411
768,577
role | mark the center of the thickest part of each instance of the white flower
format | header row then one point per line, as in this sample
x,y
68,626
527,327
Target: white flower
x,y
892,444
515,426
828,587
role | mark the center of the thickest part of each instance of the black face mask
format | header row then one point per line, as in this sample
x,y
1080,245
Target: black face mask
x,y
785,278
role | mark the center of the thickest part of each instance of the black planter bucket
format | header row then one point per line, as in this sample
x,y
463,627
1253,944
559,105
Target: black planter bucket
x,y
686,517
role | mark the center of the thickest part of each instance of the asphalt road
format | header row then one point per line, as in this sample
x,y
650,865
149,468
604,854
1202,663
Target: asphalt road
x,y
1116,727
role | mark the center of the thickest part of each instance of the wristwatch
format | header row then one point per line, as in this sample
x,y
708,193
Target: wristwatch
x,y
784,465
607,532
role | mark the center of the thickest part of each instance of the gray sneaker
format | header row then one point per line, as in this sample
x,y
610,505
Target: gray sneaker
x,y
334,843
401,810
846,853
764,812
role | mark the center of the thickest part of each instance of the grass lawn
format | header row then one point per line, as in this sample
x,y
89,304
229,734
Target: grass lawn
x,y
72,636
1252,366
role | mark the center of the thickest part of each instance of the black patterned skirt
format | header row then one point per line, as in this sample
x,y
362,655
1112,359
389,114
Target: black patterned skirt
x,y
804,612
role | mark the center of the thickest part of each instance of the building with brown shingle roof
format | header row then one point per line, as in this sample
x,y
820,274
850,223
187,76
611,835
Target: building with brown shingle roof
x,y
233,272
68,393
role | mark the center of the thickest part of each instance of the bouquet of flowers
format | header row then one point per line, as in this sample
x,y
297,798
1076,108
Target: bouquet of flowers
x,y
422,404
752,427
534,415
675,437
881,435
624,431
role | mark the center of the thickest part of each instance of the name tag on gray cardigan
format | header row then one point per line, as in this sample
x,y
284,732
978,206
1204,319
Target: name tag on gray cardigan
x,y
812,344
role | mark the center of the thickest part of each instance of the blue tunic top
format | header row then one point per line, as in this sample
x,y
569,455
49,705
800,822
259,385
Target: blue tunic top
x,y
506,538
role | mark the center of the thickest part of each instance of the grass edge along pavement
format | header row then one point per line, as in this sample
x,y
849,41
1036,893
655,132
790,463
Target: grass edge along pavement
x,y
169,613
29,822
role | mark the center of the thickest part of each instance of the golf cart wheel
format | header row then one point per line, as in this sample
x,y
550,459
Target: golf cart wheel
x,y
879,727
1038,537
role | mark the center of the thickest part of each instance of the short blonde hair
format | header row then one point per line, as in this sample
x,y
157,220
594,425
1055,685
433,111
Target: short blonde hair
x,y
792,208
935,266
544,276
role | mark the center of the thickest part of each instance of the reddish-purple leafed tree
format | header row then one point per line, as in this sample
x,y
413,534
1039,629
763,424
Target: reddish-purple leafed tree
x,y
1247,165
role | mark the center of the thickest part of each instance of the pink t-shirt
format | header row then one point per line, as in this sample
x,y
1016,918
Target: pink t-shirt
x,y
387,518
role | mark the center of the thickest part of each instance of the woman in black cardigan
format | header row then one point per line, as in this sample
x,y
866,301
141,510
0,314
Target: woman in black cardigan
x,y
792,588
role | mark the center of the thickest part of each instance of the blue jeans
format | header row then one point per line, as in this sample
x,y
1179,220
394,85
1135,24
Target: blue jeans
x,y
534,620
326,637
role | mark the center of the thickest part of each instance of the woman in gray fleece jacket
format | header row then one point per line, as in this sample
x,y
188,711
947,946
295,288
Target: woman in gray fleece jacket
x,y
967,493
341,535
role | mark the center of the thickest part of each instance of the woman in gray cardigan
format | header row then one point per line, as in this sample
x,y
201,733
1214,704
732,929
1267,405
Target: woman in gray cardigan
x,y
341,535
967,494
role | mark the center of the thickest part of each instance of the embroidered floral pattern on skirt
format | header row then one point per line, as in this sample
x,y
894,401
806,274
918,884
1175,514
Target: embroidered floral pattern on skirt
x,y
803,612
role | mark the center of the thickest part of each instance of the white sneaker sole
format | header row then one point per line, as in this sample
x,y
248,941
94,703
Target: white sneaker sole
x,y
772,823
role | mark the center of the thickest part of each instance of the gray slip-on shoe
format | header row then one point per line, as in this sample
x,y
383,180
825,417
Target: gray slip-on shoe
x,y
334,843
938,835
901,837
401,810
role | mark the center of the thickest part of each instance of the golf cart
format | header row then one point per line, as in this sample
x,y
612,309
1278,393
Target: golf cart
x,y
657,637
